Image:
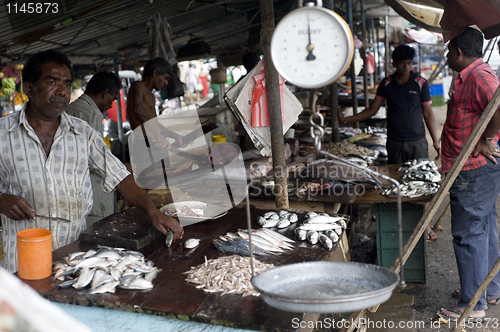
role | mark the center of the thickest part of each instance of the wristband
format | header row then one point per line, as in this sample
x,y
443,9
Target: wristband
x,y
488,139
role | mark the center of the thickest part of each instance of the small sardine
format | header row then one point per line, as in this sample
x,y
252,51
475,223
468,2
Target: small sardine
x,y
169,238
283,223
312,237
325,241
108,287
271,223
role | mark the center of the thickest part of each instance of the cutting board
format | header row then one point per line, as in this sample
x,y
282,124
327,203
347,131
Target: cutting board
x,y
131,230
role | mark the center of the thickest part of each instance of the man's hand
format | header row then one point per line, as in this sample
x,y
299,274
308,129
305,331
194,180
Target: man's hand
x,y
163,223
340,116
15,207
437,147
487,149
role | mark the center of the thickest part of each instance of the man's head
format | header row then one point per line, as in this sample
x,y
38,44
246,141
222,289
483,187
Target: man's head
x,y
103,88
465,49
47,79
160,71
250,60
402,59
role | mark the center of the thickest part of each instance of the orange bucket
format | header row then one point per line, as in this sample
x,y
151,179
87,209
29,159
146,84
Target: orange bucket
x,y
34,254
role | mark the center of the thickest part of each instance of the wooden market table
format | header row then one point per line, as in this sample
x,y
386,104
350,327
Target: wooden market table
x,y
173,297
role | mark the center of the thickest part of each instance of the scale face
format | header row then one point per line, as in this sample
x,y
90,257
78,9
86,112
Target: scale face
x,y
312,47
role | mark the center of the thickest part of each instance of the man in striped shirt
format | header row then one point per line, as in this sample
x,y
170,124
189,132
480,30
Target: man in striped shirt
x,y
474,193
45,160
100,93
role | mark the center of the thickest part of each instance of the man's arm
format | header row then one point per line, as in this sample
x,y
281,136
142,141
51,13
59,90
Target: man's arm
x,y
489,148
138,197
365,114
430,122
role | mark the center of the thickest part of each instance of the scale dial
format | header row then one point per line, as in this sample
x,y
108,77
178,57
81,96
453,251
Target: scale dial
x,y
312,47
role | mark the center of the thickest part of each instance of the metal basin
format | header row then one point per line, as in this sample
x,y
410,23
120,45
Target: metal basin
x,y
325,287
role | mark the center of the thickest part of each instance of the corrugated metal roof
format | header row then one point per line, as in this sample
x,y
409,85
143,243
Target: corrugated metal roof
x,y
91,32
98,29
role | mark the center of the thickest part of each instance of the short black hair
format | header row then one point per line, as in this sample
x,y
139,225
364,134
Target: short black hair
x,y
32,71
160,65
402,53
470,41
103,81
250,60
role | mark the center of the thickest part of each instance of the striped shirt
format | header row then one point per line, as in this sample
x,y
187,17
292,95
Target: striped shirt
x,y
85,108
473,89
57,186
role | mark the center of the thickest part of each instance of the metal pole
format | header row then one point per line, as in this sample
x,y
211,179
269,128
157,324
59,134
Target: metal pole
x,y
119,111
334,97
387,47
365,47
274,106
354,93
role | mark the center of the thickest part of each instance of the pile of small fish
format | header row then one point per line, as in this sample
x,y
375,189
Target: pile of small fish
x,y
229,275
264,241
412,189
416,170
281,219
106,269
322,228
344,149
420,178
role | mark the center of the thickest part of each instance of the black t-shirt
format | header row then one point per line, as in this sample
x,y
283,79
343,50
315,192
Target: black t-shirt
x,y
404,106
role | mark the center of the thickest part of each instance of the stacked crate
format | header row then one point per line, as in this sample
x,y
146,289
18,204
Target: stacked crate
x,y
437,94
415,268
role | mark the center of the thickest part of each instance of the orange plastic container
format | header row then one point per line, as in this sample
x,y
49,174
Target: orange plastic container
x,y
34,254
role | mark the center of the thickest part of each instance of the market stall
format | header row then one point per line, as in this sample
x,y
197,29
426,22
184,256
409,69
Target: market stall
x,y
172,296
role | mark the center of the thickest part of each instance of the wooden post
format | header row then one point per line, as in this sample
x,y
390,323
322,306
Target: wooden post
x,y
274,105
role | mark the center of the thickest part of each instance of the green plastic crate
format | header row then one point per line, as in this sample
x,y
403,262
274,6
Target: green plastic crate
x,y
415,268
438,101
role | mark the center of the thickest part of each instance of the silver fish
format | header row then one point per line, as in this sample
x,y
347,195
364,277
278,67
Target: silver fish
x,y
283,223
325,241
108,287
191,243
89,254
312,237
317,227
89,262
276,235
169,238
293,217
109,254
301,234
268,214
139,283
332,235
85,277
271,223
152,275
321,219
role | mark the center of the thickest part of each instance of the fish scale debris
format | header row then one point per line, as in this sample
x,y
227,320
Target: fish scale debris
x,y
228,275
